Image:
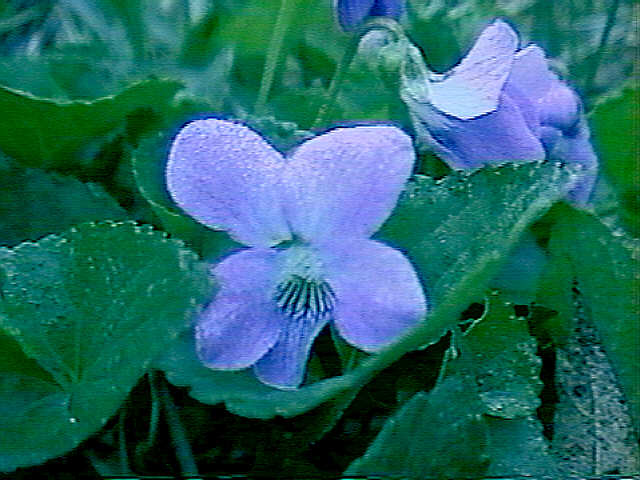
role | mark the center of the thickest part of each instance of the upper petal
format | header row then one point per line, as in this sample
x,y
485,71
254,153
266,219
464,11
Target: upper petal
x,y
227,176
497,137
378,294
242,323
347,181
473,87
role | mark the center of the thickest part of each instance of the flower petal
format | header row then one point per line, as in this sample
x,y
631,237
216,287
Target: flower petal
x,y
378,294
556,104
352,13
473,87
498,137
388,8
576,149
347,181
226,176
242,323
285,364
531,74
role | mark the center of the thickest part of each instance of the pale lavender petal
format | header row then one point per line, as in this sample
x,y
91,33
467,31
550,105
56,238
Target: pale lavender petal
x,y
285,364
347,181
530,73
474,86
378,294
242,323
560,108
555,104
226,176
497,137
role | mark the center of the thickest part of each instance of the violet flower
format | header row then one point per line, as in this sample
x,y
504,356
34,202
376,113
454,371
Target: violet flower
x,y
307,220
499,104
352,13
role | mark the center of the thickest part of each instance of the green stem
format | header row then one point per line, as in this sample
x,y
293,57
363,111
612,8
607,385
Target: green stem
x,y
122,443
273,54
178,434
380,23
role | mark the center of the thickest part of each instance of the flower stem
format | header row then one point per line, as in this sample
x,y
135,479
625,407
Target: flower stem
x,y
273,54
377,23
178,434
122,443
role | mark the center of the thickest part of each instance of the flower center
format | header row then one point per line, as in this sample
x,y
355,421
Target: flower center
x,y
301,298
303,293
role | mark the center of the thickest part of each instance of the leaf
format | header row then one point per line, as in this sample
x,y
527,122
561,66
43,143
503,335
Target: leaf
x,y
605,266
499,356
434,435
46,133
592,428
241,392
616,130
34,204
486,228
518,278
518,449
93,307
459,230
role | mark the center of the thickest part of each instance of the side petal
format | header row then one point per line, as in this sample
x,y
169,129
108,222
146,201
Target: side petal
x,y
556,104
576,149
347,181
285,364
227,176
242,323
473,87
352,13
497,137
531,74
378,294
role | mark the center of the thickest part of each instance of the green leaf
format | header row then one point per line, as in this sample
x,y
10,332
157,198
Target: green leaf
x,y
241,392
605,266
434,435
616,130
34,204
499,356
46,133
459,230
93,307
518,449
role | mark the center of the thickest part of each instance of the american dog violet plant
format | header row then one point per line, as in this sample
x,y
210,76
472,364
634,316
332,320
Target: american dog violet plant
x,y
309,239
273,301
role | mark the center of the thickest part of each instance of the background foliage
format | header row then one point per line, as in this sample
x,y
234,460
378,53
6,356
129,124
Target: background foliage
x,y
536,313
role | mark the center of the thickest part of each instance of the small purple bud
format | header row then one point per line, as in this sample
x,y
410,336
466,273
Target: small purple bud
x,y
352,13
502,103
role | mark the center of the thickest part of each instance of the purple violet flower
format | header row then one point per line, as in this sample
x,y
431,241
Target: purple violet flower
x,y
352,13
307,220
499,104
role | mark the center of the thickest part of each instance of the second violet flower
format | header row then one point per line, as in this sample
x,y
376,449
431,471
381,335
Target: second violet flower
x,y
307,220
500,104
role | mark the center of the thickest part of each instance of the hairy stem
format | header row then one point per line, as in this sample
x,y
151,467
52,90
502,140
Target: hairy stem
x,y
273,54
